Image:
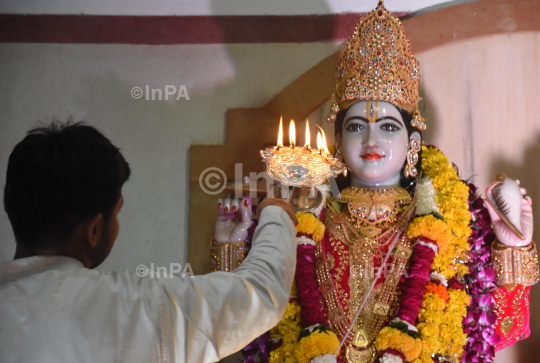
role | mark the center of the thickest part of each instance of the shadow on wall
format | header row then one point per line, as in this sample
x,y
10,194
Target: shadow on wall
x,y
150,137
428,110
323,31
528,173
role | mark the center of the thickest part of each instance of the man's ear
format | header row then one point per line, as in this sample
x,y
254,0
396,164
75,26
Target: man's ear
x,y
95,229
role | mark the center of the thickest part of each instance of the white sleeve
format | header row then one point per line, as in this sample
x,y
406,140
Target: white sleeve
x,y
210,317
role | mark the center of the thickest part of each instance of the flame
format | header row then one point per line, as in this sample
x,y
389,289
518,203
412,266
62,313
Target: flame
x,y
307,144
280,134
323,142
292,133
319,140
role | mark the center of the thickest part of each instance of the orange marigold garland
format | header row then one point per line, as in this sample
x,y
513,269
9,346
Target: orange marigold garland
x,y
444,220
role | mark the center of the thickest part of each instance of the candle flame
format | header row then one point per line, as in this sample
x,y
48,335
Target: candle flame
x,y
319,140
292,134
307,144
323,141
280,134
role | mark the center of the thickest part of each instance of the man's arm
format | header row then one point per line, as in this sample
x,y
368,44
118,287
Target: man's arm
x,y
209,317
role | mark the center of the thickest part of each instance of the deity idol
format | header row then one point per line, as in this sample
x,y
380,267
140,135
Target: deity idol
x,y
408,263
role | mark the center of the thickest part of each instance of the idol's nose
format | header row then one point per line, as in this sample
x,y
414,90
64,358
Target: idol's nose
x,y
370,142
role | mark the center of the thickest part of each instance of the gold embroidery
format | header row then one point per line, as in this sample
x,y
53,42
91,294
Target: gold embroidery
x,y
342,265
515,265
500,301
346,231
336,317
512,325
331,260
506,325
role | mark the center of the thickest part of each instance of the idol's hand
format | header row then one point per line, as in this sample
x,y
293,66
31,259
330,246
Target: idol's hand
x,y
234,219
503,232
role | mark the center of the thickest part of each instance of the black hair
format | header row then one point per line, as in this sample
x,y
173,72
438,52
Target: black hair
x,y
408,183
59,176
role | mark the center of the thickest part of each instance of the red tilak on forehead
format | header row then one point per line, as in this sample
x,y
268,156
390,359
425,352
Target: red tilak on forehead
x,y
371,109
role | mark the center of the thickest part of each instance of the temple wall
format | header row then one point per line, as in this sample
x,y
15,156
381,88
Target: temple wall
x,y
481,99
93,83
210,7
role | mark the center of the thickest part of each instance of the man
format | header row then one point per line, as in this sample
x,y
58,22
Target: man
x,y
62,196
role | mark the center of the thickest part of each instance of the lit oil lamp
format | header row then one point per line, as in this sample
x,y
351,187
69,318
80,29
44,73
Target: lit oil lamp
x,y
301,167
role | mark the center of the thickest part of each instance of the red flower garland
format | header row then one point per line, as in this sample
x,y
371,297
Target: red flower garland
x,y
417,279
313,310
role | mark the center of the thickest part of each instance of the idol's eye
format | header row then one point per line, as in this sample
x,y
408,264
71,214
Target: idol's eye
x,y
355,127
390,127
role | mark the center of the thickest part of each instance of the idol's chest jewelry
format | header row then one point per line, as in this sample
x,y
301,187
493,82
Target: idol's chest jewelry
x,y
370,216
372,206
358,239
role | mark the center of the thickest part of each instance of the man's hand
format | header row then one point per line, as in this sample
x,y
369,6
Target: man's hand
x,y
280,203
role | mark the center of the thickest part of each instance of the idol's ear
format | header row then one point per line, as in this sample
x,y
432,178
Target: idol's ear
x,y
415,135
338,146
338,140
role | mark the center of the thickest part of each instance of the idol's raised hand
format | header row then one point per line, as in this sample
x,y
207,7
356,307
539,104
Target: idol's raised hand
x,y
234,219
511,213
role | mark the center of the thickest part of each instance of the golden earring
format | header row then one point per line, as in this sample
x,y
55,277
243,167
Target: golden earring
x,y
337,155
412,158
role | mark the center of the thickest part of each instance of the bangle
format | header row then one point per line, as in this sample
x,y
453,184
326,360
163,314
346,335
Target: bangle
x,y
227,256
515,265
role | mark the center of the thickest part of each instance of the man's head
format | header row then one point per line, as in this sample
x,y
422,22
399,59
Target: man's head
x,y
63,192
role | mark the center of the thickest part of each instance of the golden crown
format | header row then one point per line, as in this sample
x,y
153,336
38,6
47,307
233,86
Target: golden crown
x,y
378,65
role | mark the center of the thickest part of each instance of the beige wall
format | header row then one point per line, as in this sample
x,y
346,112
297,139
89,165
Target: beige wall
x,y
211,7
93,82
481,99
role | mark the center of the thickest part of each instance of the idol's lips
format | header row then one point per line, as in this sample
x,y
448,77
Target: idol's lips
x,y
372,156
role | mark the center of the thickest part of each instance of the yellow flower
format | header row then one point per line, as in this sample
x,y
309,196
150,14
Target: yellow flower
x,y
288,329
430,227
429,345
309,224
315,344
395,339
428,330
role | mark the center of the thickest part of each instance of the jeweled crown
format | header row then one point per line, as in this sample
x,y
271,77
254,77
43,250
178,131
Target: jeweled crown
x,y
378,65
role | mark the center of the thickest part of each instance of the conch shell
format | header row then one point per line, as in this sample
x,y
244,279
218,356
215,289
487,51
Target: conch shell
x,y
501,195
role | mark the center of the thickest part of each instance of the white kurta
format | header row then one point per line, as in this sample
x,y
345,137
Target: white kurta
x,y
52,309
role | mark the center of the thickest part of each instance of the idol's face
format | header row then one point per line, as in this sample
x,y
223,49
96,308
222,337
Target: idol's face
x,y
374,143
